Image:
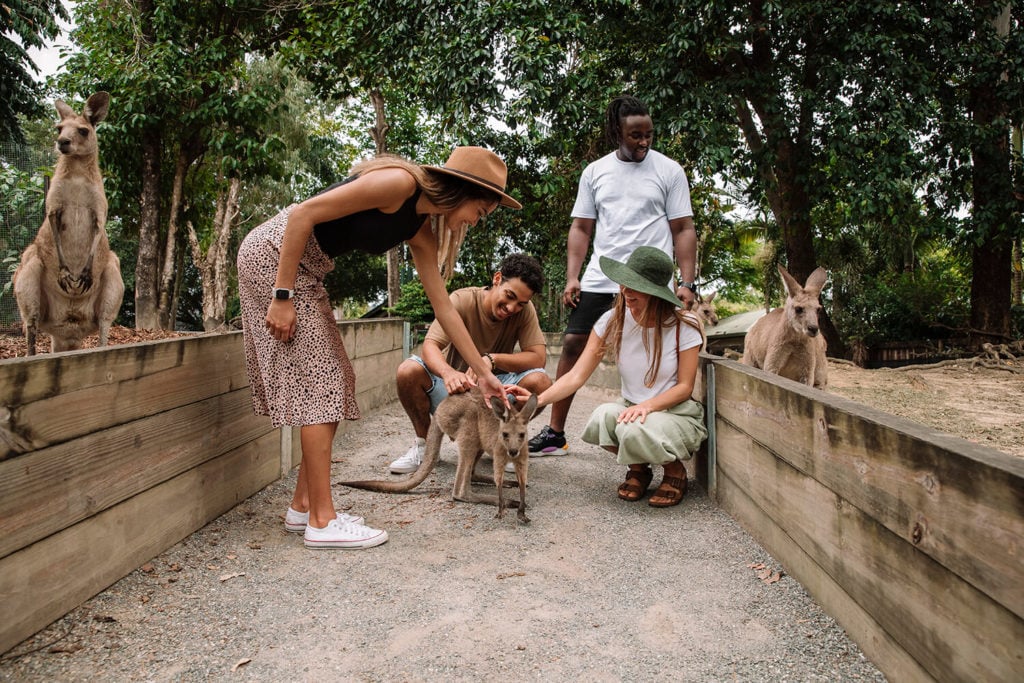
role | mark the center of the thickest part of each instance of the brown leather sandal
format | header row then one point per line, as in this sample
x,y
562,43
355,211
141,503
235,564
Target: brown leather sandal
x,y
671,490
635,486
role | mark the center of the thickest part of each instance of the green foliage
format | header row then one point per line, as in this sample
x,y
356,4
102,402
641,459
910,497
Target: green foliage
x,y
413,304
925,305
21,214
848,127
23,24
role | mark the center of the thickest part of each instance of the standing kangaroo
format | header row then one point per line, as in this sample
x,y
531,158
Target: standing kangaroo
x,y
499,431
787,341
68,283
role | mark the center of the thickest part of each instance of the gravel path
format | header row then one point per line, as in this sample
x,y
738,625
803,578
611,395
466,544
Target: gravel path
x,y
594,589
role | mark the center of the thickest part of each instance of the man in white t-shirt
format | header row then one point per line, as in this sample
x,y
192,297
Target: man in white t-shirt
x,y
628,198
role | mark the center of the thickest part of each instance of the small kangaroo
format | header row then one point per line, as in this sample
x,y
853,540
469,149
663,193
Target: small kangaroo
x,y
705,309
69,281
787,341
499,431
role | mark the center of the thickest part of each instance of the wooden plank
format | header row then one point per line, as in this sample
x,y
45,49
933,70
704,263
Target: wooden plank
x,y
375,370
61,397
367,337
961,503
47,490
951,628
48,579
884,652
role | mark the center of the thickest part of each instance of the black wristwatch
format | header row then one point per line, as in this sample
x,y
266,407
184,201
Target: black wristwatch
x,y
692,286
282,293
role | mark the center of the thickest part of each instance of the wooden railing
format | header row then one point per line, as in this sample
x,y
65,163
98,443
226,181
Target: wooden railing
x,y
110,456
912,539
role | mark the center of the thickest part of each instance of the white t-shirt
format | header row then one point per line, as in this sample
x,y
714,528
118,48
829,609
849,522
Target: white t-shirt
x,y
632,204
633,360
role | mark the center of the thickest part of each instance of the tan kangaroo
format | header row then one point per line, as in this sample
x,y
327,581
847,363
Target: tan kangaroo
x,y
476,430
704,307
68,283
787,341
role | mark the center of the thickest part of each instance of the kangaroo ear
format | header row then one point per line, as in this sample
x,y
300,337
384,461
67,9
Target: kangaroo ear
x,y
63,109
530,407
816,280
498,407
96,107
789,282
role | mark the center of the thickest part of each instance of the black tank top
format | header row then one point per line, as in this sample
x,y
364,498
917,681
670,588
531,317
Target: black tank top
x,y
372,231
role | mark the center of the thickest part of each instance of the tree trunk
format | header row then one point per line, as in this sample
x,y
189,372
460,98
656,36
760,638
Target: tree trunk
x,y
1018,274
992,255
165,293
790,204
214,264
379,132
147,262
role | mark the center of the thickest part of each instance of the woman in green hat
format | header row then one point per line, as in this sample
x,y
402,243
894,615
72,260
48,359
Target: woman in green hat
x,y
656,347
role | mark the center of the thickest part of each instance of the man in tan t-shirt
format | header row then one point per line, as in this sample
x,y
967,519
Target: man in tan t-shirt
x,y
498,317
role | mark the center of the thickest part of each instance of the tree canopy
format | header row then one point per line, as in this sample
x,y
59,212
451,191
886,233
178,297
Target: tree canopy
x,y
869,138
24,24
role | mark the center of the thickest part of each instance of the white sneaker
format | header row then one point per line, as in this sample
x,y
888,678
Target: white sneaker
x,y
296,522
410,462
344,535
510,466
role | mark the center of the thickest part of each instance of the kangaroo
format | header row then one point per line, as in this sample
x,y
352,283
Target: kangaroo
x,y
499,431
787,341
68,282
704,307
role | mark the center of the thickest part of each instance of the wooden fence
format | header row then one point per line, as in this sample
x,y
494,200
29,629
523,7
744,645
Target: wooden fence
x,y
912,539
108,457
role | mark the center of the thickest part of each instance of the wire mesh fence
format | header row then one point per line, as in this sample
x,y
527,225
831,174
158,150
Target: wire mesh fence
x,y
23,175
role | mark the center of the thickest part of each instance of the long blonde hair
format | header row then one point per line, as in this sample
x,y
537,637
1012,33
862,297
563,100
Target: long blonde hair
x,y
443,191
664,315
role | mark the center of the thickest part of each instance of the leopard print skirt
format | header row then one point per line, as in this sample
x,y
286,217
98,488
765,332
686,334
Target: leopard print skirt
x,y
308,380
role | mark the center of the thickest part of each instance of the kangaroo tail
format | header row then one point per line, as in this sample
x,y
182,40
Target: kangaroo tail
x,y
430,457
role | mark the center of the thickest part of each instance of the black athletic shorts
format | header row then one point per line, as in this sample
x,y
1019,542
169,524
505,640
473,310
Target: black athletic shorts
x,y
589,308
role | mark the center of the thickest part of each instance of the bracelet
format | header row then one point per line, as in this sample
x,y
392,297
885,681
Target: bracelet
x,y
490,358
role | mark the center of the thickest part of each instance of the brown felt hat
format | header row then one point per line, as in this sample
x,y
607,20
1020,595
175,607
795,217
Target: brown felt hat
x,y
481,167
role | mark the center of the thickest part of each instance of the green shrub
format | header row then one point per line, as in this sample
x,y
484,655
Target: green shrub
x,y
905,307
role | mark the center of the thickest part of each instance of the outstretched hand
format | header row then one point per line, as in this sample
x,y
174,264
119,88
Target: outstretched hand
x,y
490,386
517,392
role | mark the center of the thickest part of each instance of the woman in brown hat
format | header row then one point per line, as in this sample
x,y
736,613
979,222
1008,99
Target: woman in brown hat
x,y
298,369
655,346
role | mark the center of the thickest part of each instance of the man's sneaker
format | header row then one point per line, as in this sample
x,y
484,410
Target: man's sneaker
x,y
548,442
296,522
345,535
411,460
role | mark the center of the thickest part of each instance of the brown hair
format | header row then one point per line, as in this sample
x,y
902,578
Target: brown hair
x,y
664,315
442,190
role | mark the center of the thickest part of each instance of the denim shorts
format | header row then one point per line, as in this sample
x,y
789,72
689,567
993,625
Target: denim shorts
x,y
438,392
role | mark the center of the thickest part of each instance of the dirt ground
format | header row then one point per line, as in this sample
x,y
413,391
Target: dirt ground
x,y
983,405
593,588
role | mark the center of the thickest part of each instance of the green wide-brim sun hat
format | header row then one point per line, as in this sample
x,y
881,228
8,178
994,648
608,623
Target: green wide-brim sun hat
x,y
647,270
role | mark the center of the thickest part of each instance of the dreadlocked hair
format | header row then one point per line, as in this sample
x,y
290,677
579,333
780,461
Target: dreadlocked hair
x,y
443,191
664,314
618,110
